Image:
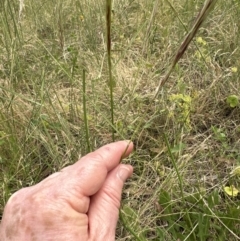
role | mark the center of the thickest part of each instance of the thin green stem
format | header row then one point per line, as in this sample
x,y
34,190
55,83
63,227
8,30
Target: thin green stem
x,y
180,181
128,228
85,112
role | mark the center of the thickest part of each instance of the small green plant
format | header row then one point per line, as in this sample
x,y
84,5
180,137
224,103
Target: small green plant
x,y
233,188
231,191
204,212
232,101
183,108
202,53
219,134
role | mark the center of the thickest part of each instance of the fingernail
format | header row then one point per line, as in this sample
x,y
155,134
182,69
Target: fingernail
x,y
123,173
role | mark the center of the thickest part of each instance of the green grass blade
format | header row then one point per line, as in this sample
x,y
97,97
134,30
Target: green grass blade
x,y
180,183
85,113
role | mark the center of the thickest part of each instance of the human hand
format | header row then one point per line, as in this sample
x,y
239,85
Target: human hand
x,y
81,202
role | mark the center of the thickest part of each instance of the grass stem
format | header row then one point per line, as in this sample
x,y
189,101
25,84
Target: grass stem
x,y
85,112
111,84
180,182
202,15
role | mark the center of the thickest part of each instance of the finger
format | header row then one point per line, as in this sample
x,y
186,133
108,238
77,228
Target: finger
x,y
110,154
104,205
90,172
77,182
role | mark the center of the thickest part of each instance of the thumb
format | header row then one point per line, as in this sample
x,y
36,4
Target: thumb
x,y
104,205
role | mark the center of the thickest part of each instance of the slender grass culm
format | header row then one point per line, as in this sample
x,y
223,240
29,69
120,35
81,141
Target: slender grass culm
x,y
180,182
111,84
85,112
202,15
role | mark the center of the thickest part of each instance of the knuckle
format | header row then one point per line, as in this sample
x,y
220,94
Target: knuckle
x,y
96,156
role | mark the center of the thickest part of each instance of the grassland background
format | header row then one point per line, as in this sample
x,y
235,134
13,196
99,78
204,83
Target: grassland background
x,y
176,192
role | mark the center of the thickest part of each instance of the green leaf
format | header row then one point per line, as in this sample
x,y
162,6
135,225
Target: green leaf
x,y
180,147
232,101
236,171
130,219
231,191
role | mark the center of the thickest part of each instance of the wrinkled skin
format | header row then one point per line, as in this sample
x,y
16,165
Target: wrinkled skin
x,y
81,202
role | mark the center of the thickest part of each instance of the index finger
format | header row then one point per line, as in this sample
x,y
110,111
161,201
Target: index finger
x,y
91,171
110,154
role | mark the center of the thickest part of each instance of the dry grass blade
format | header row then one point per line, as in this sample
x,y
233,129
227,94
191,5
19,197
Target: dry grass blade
x,y
207,7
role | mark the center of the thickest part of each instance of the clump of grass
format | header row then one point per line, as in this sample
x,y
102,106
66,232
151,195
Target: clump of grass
x,y
51,113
